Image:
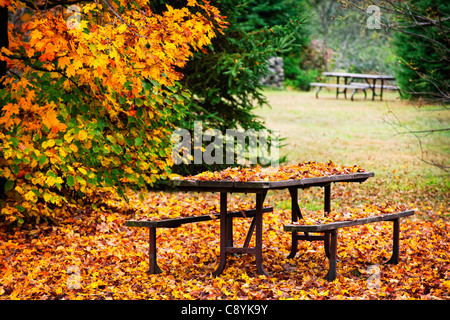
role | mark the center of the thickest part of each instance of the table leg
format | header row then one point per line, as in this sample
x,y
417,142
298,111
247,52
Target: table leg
x,y
327,199
251,229
223,234
259,228
296,214
229,231
381,90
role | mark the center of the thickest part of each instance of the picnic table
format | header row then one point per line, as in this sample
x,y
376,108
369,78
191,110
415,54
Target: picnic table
x,y
259,181
260,188
369,81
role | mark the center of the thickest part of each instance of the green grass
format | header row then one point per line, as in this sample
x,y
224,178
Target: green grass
x,y
358,132
355,132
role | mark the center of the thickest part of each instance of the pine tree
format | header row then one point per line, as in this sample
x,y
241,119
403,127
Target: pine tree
x,y
423,49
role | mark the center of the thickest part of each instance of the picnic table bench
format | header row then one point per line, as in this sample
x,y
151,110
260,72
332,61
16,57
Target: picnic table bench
x,y
330,234
152,225
354,86
369,82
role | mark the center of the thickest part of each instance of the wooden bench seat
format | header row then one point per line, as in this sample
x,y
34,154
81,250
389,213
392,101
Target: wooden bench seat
x,y
378,86
177,222
354,86
330,232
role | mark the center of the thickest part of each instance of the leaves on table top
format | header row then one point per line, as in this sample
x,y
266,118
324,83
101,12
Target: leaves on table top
x,y
303,170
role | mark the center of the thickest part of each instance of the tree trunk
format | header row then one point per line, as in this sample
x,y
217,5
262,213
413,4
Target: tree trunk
x,y
3,43
3,38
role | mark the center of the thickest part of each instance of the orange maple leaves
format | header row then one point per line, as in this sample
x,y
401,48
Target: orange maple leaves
x,y
102,90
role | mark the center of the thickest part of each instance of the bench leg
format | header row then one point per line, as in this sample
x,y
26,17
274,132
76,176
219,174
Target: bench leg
x,y
373,89
153,264
353,94
337,88
317,92
326,244
331,275
395,242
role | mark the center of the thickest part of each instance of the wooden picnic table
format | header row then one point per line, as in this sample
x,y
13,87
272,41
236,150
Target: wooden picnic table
x,y
369,79
260,188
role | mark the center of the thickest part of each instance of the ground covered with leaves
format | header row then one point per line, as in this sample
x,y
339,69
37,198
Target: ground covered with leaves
x,y
90,254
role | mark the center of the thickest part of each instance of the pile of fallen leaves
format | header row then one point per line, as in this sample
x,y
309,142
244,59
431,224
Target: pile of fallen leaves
x,y
92,255
347,214
303,170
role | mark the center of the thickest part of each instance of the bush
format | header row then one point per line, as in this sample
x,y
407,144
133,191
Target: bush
x,y
307,66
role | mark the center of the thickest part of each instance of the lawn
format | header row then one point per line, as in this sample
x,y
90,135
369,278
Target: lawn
x,y
356,131
360,132
90,254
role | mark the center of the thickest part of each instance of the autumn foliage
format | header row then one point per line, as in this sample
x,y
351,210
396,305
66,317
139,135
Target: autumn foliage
x,y
92,255
91,97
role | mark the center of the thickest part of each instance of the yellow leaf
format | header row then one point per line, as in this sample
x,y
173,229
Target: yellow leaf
x,y
64,61
68,137
82,135
62,152
48,144
73,147
47,197
31,196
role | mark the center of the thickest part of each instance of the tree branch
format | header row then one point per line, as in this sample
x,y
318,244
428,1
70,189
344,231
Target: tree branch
x,y
49,4
418,135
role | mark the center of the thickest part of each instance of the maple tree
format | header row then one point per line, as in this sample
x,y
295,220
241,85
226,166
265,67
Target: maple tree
x,y
90,98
